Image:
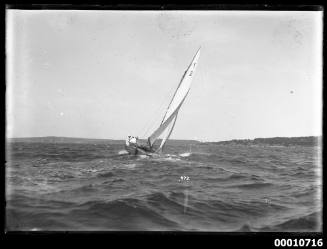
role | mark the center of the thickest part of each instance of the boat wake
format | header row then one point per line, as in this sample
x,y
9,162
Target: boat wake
x,y
186,154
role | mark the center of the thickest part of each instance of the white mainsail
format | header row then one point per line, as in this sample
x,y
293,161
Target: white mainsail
x,y
167,125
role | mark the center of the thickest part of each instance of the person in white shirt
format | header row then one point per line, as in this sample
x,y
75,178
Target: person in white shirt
x,y
131,141
127,141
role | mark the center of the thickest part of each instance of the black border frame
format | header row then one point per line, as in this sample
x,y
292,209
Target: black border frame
x,y
261,239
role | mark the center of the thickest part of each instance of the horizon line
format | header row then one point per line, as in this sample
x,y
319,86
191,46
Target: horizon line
x,y
200,140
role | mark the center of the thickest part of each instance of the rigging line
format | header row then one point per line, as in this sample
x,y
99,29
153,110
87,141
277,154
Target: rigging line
x,y
161,105
154,118
180,82
166,139
151,125
162,127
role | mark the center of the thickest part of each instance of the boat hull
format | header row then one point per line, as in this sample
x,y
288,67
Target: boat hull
x,y
132,150
135,150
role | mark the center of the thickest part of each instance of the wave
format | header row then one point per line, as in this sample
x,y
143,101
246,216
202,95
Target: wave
x,y
124,214
130,165
244,228
36,221
25,203
167,158
252,185
174,200
309,223
186,154
154,211
238,177
202,157
143,156
107,174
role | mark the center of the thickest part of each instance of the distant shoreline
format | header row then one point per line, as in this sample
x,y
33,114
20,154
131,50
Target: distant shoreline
x,y
276,141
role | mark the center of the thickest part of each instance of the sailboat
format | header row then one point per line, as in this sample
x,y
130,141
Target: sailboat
x,y
168,122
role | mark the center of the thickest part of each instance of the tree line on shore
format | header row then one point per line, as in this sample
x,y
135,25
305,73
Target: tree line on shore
x,y
282,141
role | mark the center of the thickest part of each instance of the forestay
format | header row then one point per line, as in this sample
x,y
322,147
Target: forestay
x,y
167,125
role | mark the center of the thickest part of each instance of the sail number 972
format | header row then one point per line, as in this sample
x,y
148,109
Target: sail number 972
x,y
298,242
184,179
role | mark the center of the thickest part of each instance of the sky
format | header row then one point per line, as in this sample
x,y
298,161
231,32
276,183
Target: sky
x,y
109,74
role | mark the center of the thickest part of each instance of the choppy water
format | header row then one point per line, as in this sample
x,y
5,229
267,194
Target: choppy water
x,y
229,188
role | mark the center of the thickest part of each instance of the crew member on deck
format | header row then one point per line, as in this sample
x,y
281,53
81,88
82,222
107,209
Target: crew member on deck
x,y
127,141
131,141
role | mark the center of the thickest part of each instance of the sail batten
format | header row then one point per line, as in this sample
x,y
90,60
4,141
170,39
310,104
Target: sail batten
x,y
169,119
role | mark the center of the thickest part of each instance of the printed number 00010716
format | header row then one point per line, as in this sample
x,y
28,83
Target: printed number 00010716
x,y
298,242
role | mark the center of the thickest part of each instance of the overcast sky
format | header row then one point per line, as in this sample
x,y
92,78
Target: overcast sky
x,y
109,74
